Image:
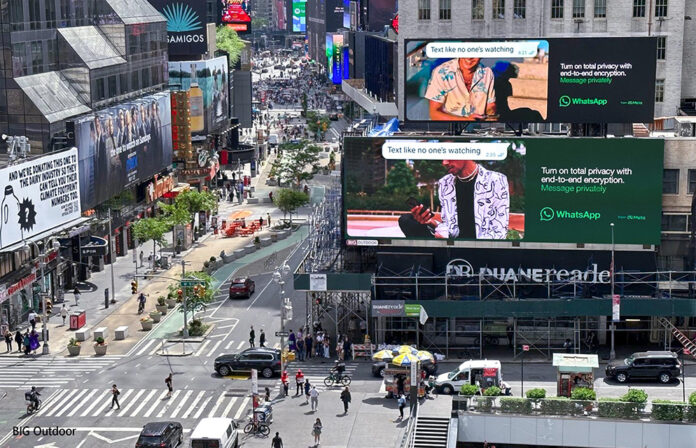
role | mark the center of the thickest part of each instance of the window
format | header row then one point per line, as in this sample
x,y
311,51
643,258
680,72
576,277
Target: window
x,y
124,83
476,9
692,181
659,90
498,9
670,181
113,92
445,9
36,57
135,85
519,9
423,9
578,9
661,47
556,9
145,77
660,8
132,44
99,94
674,223
50,14
600,8
638,8
34,14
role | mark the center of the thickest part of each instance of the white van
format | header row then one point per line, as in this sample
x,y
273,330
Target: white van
x,y
273,139
215,433
484,372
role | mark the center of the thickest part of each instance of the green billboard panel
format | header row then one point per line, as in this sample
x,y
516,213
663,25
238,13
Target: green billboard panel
x,y
556,190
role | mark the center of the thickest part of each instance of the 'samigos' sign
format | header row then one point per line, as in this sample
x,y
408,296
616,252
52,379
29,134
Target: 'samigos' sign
x,y
186,31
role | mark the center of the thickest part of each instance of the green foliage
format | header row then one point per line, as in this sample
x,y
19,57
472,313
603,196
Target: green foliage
x,y
583,393
484,404
99,340
469,389
196,302
536,394
259,22
400,180
635,396
161,301
304,103
316,123
186,204
516,405
557,406
492,391
429,172
618,408
289,200
297,162
197,328
147,229
667,410
692,399
228,40
73,343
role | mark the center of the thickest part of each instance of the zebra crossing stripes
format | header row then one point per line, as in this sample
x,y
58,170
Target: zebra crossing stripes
x,y
49,372
314,373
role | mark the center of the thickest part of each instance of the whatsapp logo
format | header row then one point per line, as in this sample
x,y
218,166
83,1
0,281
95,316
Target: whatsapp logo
x,y
546,214
564,101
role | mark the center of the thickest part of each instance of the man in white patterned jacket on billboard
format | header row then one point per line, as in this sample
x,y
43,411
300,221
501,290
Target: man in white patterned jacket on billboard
x,y
475,204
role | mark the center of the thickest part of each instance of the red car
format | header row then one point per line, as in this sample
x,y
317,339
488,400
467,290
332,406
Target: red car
x,y
242,287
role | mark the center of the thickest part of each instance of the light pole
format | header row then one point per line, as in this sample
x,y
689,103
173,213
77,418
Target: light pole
x,y
612,352
111,259
278,277
44,293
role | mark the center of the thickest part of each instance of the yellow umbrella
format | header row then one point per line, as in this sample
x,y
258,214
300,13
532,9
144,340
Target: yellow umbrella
x,y
404,359
406,349
383,355
424,354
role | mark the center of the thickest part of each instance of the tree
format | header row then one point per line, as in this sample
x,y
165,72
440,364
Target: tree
x,y
228,40
317,123
400,180
289,200
259,22
292,165
429,172
195,301
147,229
186,204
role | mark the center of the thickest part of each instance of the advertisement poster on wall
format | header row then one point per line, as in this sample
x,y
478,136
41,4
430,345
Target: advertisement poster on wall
x,y
186,31
237,15
299,17
554,190
337,61
589,80
207,82
40,195
122,146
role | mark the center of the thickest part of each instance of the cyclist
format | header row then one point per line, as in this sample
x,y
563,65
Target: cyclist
x,y
339,368
141,302
33,397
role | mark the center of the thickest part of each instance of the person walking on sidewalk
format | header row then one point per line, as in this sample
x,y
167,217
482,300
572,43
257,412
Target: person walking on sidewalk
x,y
32,319
26,342
252,336
63,313
76,292
308,346
300,349
314,396
262,339
345,398
168,382
268,215
299,382
402,405
307,389
316,432
19,339
8,340
277,442
284,380
114,397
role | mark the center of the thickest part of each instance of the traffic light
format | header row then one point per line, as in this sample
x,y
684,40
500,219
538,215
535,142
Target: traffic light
x,y
49,307
195,290
134,287
201,291
180,294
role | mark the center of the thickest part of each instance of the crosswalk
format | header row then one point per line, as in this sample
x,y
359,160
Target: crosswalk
x,y
315,374
146,403
49,372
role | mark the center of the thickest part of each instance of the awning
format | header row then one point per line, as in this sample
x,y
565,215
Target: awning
x,y
52,232
569,362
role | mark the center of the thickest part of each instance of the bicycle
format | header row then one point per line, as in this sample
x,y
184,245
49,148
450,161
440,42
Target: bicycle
x,y
256,427
335,379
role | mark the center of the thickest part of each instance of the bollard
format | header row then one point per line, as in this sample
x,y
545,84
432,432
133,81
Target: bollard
x,y
106,297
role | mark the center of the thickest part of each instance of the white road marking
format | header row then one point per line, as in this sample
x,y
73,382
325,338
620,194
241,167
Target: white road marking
x,y
143,403
102,399
200,410
132,401
229,407
227,347
217,405
181,404
157,403
168,403
241,409
193,404
210,353
202,347
145,347
241,344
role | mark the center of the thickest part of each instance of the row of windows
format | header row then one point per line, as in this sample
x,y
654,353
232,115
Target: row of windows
x,y
115,85
675,223
519,9
670,181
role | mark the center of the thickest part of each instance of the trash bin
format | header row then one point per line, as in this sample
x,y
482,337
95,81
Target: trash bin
x,y
78,319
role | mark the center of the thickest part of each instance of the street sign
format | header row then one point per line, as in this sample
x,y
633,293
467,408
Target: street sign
x,y
525,348
191,282
282,334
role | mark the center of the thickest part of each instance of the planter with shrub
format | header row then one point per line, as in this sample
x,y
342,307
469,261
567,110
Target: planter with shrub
x,y
74,347
484,404
146,323
469,390
100,346
557,406
691,411
161,305
584,397
667,410
197,328
156,316
516,405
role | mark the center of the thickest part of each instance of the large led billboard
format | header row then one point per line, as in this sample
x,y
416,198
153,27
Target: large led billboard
x,y
237,15
337,60
299,17
186,32
555,190
588,80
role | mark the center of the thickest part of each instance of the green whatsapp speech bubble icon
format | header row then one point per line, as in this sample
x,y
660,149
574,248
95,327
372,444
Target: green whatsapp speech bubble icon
x,y
564,101
546,214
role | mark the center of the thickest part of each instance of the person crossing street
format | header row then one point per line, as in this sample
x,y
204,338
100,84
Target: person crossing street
x,y
345,398
114,396
252,336
262,339
168,382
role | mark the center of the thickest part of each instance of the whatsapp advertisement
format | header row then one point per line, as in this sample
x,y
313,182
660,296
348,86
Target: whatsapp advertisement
x,y
555,190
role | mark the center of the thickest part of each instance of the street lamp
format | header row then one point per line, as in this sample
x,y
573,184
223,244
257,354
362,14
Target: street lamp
x,y
278,276
44,293
612,352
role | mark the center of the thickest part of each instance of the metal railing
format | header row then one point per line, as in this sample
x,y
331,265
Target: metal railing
x,y
408,439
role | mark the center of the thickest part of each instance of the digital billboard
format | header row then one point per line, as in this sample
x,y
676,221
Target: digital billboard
x,y
40,194
186,31
555,190
208,83
237,15
122,146
299,17
588,80
337,59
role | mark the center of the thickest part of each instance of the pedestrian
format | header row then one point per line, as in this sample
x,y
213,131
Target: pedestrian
x,y
314,395
26,343
347,349
284,380
32,319
8,340
63,313
277,442
345,398
316,431
19,339
300,349
291,341
34,341
339,349
114,396
307,389
308,345
76,292
261,222
402,405
168,382
400,381
299,382
141,255
267,397
268,215
262,339
252,336
326,348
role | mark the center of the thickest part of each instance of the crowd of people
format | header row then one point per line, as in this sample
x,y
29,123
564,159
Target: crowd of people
x,y
318,345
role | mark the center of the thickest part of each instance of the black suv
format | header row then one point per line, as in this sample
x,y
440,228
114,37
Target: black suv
x,y
662,366
265,360
160,434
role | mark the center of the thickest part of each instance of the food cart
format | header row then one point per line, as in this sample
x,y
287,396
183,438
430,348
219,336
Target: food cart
x,y
391,375
574,370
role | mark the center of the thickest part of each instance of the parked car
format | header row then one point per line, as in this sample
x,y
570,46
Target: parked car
x,y
333,116
242,287
474,372
215,432
265,360
657,365
429,365
161,434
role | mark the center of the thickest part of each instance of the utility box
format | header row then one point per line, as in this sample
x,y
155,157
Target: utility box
x,y
78,319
